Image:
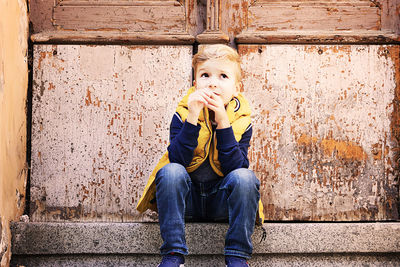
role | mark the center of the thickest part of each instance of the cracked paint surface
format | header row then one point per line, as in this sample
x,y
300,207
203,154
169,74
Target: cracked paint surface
x,y
325,142
323,145
101,119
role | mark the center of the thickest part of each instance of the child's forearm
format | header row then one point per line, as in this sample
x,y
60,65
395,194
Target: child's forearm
x,y
232,154
183,141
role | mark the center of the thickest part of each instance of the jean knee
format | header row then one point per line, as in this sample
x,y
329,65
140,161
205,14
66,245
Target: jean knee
x,y
172,174
244,179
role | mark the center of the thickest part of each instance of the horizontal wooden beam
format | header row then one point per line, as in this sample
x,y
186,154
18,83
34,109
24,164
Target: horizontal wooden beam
x,y
111,37
318,37
296,3
212,37
117,3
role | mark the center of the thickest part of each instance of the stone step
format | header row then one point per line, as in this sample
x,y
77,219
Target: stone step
x,y
137,244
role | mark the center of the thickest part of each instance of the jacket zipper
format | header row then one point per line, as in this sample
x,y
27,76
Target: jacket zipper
x,y
211,149
212,152
208,141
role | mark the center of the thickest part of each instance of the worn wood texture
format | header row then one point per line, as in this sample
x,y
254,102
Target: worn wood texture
x,y
234,17
100,124
312,22
326,130
277,20
317,37
40,15
111,37
121,19
313,15
214,21
213,33
390,15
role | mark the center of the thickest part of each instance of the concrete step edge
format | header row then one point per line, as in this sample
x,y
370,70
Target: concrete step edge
x,y
47,238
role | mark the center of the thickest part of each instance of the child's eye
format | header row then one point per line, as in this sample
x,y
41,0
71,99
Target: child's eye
x,y
224,76
204,75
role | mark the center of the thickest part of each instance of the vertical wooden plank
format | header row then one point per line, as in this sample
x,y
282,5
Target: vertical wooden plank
x,y
195,22
213,33
390,15
324,145
234,17
41,15
101,116
393,52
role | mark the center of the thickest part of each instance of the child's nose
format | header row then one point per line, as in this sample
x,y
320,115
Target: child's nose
x,y
213,83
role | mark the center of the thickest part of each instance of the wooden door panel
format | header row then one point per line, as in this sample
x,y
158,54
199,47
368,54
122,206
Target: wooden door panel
x,y
114,22
326,138
100,123
136,16
335,17
319,15
216,21
313,21
325,143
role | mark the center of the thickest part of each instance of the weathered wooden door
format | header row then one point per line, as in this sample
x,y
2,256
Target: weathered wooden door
x,y
107,77
322,77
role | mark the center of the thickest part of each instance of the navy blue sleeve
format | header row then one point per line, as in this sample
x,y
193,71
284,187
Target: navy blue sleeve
x,y
232,154
183,140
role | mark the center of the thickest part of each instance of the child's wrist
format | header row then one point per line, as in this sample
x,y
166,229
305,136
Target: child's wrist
x,y
193,117
222,124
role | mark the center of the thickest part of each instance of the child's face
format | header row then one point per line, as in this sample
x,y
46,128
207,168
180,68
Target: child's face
x,y
218,75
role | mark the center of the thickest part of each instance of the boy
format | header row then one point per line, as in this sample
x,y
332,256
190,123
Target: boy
x,y
204,175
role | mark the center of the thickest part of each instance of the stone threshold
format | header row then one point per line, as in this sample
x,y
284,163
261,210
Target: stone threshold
x,y
47,238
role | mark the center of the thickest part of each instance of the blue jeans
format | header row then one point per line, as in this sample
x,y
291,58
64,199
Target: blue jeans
x,y
233,198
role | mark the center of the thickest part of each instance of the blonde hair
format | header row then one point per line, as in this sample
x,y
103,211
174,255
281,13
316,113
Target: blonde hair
x,y
218,51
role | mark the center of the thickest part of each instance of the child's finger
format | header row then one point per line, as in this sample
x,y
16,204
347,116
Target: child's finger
x,y
216,100
205,96
200,97
215,97
207,91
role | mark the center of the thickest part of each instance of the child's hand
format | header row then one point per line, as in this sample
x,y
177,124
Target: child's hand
x,y
196,102
216,104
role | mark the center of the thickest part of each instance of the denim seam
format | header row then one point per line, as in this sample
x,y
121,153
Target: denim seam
x,y
174,250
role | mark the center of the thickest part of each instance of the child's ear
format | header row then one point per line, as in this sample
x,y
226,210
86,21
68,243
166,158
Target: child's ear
x,y
194,83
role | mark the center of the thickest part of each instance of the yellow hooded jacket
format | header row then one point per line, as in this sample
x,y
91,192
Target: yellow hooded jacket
x,y
238,110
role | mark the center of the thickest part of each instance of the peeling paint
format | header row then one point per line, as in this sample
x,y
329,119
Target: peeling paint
x,y
340,149
322,144
317,16
323,118
99,132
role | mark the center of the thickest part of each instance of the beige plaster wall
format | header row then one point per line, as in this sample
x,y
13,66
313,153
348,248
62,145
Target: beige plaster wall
x,y
13,88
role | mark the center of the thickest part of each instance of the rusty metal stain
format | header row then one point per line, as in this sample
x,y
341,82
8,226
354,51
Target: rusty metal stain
x,y
99,131
340,149
325,134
